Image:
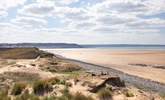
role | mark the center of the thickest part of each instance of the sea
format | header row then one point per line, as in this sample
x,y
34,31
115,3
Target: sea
x,y
125,47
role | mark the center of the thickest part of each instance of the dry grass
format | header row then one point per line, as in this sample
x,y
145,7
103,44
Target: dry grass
x,y
4,95
23,53
18,88
19,53
129,94
21,76
80,96
41,87
56,65
105,94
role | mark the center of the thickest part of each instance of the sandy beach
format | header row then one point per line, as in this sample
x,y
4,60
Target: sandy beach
x,y
149,64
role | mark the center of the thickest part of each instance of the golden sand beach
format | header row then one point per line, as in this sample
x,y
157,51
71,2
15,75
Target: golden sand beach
x,y
149,64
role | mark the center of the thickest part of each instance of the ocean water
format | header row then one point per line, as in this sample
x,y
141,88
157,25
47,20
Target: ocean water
x,y
126,47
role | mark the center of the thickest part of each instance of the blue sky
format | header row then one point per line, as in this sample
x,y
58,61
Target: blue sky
x,y
83,21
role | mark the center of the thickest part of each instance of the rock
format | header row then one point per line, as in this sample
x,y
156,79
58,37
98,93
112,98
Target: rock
x,y
93,74
76,81
69,84
113,81
104,73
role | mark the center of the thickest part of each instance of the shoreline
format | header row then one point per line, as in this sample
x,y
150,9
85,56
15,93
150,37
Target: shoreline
x,y
126,61
145,84
123,63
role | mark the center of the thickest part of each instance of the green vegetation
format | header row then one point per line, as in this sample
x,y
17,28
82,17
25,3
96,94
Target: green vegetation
x,y
73,74
18,88
4,95
129,94
65,95
19,53
40,87
53,81
80,96
27,96
63,82
23,53
162,95
22,76
61,67
50,98
105,94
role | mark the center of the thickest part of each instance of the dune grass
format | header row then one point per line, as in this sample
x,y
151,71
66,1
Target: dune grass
x,y
41,86
4,95
18,88
129,94
105,94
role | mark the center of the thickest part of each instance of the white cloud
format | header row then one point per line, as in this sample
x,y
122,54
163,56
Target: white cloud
x,y
3,13
102,20
58,2
6,4
37,9
29,22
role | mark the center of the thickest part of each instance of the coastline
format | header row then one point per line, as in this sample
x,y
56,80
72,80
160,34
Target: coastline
x,y
118,61
139,82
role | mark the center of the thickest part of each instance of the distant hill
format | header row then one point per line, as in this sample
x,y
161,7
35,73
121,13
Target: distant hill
x,y
40,45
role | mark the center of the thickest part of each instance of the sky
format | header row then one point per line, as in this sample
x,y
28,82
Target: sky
x,y
83,21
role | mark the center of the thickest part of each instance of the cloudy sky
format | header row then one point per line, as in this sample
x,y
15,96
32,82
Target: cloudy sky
x,y
83,21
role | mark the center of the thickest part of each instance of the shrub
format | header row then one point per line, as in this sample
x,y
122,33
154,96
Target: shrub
x,y
40,87
65,95
162,95
68,84
50,98
80,96
129,94
18,88
105,94
22,76
27,97
24,96
4,95
33,97
53,80
63,82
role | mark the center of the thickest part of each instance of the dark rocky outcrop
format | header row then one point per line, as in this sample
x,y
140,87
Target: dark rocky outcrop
x,y
113,81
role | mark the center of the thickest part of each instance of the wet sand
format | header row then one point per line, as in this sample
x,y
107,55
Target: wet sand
x,y
122,60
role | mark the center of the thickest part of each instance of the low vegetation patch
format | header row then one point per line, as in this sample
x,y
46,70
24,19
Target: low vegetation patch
x,y
19,53
40,87
23,53
162,95
4,95
65,95
53,81
105,94
129,94
80,96
21,76
27,96
50,98
67,67
18,88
